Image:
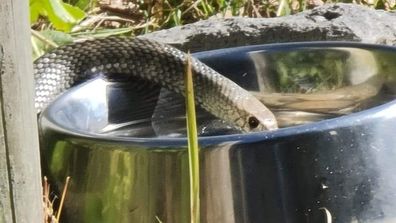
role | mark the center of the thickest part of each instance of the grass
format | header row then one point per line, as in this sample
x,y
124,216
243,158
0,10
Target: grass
x,y
135,17
52,215
193,149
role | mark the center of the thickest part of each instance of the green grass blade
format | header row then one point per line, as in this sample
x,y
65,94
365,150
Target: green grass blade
x,y
193,150
101,33
284,8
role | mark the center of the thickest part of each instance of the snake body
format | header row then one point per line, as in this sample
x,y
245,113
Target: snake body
x,y
120,57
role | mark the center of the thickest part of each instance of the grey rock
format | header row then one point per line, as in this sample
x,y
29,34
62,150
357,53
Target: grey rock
x,y
336,22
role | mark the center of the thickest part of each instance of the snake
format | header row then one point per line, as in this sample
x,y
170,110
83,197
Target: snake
x,y
120,58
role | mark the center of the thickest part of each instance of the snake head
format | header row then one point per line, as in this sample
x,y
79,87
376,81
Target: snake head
x,y
257,117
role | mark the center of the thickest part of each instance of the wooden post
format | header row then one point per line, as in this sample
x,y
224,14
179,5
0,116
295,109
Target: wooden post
x,y
20,174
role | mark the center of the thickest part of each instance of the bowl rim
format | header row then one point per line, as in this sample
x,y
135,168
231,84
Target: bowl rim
x,y
368,115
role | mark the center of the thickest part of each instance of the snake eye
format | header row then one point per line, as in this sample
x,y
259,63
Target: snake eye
x,y
253,122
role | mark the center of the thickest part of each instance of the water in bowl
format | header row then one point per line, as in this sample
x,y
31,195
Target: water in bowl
x,y
300,86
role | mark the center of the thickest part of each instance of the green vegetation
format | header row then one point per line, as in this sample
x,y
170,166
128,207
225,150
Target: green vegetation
x,y
58,22
62,16
193,149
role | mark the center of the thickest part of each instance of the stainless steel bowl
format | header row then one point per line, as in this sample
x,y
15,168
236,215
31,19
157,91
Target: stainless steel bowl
x,y
129,165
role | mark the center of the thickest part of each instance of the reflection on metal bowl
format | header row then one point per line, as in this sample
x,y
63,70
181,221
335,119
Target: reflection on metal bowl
x,y
123,144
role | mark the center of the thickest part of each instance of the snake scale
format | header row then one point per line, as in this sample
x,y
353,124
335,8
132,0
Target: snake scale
x,y
120,57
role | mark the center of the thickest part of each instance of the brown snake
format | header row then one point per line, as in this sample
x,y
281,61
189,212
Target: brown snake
x,y
115,57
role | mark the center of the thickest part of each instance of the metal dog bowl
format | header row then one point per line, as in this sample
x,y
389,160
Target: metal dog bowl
x,y
124,148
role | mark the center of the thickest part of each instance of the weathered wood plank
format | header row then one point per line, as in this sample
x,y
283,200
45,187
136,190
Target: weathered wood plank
x,y
5,200
20,175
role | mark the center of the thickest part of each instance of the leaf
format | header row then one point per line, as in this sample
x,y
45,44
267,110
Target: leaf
x,y
83,4
57,37
36,9
38,48
61,12
63,16
75,12
46,40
